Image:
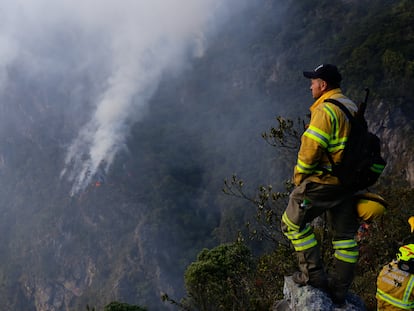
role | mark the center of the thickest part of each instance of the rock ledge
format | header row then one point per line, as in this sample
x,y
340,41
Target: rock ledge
x,y
308,298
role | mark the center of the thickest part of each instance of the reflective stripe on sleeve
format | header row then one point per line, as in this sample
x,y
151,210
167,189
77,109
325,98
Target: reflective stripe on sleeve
x,y
304,168
317,135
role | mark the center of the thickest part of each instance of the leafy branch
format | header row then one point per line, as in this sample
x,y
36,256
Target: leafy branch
x,y
287,134
268,204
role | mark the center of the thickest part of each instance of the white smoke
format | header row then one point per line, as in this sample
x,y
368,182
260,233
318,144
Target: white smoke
x,y
136,41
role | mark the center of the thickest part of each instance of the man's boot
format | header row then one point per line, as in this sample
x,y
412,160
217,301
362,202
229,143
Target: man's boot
x,y
340,280
311,269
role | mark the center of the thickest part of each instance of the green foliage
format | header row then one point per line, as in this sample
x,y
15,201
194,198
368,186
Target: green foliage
x,y
218,279
270,271
381,56
286,135
119,306
227,278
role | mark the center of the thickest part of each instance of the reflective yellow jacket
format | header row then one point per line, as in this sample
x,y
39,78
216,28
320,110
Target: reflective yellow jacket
x,y
395,289
328,129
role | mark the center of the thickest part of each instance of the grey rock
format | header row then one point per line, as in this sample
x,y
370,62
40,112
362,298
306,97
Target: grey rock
x,y
308,298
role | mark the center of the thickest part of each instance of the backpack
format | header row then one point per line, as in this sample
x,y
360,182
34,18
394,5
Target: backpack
x,y
362,163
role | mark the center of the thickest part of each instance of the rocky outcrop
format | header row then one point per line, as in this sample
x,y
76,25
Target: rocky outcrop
x,y
308,298
392,123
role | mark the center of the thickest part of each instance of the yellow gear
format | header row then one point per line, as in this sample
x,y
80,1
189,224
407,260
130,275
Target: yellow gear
x,y
370,206
406,252
411,222
394,288
328,130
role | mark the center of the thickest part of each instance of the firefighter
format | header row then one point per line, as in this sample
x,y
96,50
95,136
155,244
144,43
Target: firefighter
x,y
395,282
317,191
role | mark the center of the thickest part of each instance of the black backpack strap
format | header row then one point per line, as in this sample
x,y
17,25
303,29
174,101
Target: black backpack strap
x,y
347,113
342,106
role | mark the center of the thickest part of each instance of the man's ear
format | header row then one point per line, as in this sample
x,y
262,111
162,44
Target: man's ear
x,y
324,85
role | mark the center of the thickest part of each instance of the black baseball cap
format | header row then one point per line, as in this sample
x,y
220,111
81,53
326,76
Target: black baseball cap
x,y
327,72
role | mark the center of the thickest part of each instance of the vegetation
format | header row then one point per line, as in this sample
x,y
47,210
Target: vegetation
x,y
223,273
227,277
119,306
378,56
160,203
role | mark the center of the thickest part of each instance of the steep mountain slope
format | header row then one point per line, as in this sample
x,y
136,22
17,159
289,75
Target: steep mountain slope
x,y
130,234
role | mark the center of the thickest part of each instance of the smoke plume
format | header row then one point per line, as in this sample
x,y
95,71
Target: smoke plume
x,y
124,46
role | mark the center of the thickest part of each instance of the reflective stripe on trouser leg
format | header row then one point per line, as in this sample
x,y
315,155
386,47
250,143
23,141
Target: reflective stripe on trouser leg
x,y
346,250
301,240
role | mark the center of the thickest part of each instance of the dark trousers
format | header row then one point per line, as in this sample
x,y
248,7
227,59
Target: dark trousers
x,y
341,213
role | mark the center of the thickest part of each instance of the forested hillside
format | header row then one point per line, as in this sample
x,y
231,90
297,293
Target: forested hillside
x,y
139,223
373,46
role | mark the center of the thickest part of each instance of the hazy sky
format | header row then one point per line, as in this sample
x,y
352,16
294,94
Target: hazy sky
x,y
125,46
